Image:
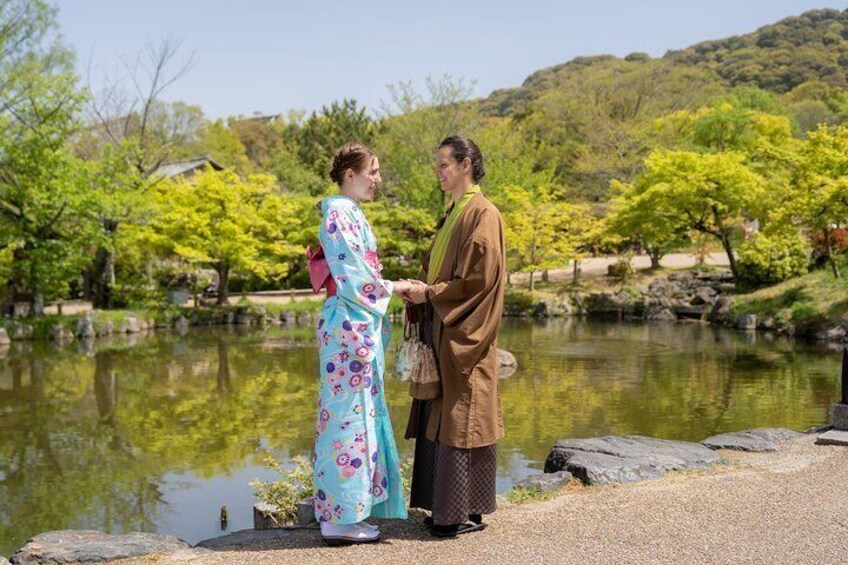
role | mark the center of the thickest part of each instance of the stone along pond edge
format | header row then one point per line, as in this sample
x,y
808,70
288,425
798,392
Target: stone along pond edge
x,y
686,296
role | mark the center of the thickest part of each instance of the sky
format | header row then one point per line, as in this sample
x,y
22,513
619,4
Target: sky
x,y
269,57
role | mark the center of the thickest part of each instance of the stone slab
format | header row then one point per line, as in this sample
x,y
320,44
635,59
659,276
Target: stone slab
x,y
833,437
89,546
626,459
248,538
545,482
756,440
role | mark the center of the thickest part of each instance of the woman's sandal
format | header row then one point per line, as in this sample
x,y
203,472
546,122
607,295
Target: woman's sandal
x,y
336,541
363,535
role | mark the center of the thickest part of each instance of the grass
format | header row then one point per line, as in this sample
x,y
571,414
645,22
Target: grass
x,y
525,495
814,297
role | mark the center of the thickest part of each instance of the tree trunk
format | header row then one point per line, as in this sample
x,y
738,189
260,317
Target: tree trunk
x,y
223,283
829,249
576,273
728,248
655,255
532,284
104,268
36,303
545,275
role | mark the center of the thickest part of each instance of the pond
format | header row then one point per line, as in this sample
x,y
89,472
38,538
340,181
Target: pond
x,y
156,433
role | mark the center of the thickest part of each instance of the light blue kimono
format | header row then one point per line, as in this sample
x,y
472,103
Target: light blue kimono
x,y
357,474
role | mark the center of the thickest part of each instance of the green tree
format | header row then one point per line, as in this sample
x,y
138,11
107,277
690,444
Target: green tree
x,y
261,137
222,143
230,224
544,231
324,132
592,115
46,206
133,134
403,234
45,201
819,199
706,193
631,219
412,126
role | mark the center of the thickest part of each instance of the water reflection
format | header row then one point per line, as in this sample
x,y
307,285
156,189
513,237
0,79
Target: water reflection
x,y
157,435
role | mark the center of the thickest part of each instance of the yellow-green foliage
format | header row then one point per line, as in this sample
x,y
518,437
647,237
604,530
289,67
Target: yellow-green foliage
x,y
218,218
769,259
683,142
285,493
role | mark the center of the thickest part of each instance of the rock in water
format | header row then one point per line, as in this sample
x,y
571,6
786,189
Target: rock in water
x,y
746,322
506,364
615,459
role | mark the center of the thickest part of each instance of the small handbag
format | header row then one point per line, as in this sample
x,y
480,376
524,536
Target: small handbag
x,y
415,362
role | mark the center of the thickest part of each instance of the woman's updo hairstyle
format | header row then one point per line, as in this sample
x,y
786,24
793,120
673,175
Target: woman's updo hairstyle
x,y
463,148
351,155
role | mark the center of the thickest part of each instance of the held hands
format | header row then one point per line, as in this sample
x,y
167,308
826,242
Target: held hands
x,y
401,288
410,290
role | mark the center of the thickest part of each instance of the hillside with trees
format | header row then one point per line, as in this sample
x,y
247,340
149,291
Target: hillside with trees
x,y
598,155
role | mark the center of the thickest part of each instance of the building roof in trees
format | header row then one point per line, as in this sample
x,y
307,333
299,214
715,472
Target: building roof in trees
x,y
187,168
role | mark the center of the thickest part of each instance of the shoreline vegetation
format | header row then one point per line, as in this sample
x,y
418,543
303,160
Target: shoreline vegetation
x,y
812,306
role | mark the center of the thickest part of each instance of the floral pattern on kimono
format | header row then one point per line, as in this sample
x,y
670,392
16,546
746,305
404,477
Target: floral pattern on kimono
x,y
357,473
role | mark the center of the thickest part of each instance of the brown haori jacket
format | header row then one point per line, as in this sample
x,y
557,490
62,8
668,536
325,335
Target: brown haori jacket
x,y
465,306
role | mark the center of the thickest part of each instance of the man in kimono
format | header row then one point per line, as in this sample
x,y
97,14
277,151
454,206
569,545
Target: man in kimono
x,y
460,309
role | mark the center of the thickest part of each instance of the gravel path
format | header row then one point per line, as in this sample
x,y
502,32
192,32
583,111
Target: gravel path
x,y
784,507
597,266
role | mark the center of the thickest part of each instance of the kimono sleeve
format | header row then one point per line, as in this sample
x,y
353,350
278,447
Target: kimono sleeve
x,y
357,282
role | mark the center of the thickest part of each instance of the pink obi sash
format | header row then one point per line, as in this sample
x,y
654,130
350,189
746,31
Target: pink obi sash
x,y
319,271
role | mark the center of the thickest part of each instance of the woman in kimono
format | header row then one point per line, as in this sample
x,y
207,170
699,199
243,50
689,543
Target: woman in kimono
x,y
356,470
461,307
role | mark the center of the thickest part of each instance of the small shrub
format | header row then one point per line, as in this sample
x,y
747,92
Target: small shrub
x,y
518,303
770,259
802,312
622,269
293,486
138,296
